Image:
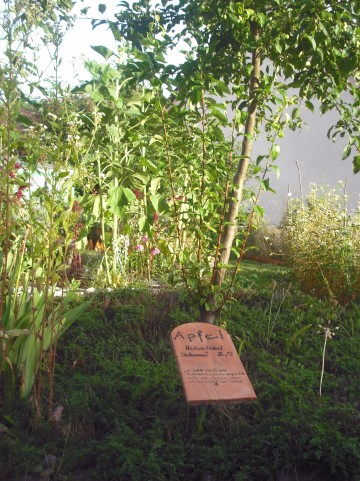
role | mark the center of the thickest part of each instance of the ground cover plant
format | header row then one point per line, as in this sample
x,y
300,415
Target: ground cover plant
x,y
122,408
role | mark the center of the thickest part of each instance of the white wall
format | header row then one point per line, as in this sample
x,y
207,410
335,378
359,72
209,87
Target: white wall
x,y
319,160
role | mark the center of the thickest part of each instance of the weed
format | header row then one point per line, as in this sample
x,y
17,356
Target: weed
x,y
329,333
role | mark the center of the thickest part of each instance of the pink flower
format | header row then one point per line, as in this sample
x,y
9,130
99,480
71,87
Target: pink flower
x,y
20,193
138,194
144,239
76,206
154,251
12,174
17,165
139,248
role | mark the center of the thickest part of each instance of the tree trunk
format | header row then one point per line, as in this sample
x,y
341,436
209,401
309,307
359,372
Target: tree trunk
x,y
207,316
231,226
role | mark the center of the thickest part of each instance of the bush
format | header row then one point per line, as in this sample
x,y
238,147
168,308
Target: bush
x,y
265,241
323,243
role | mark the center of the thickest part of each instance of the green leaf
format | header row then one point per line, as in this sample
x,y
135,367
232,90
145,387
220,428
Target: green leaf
x,y
275,151
30,348
128,195
312,41
276,169
155,199
278,47
295,114
103,51
266,184
297,334
220,116
120,197
114,199
309,105
94,94
144,225
93,67
102,7
96,207
113,93
196,94
259,159
114,132
148,163
259,210
142,177
193,282
356,164
288,71
24,120
261,18
156,138
346,151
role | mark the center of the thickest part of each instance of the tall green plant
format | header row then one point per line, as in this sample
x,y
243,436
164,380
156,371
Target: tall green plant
x,y
36,229
117,149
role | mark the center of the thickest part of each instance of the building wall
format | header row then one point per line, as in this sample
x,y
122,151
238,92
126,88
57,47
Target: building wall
x,y
319,161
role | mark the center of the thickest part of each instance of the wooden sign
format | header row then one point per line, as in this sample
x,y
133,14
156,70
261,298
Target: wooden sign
x,y
210,368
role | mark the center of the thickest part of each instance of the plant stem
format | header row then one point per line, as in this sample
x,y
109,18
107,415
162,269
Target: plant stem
x,y
102,220
203,164
323,362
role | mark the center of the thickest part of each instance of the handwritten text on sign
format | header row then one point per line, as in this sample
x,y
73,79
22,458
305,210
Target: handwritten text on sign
x,y
210,368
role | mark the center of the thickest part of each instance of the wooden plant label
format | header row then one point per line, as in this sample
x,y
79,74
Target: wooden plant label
x,y
210,368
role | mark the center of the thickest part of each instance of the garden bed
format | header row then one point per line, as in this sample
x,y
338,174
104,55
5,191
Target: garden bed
x,y
125,416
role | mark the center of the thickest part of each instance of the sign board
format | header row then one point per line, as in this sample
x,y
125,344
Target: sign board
x,y
210,368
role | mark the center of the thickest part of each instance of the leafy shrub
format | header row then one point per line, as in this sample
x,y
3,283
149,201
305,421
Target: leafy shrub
x,y
323,243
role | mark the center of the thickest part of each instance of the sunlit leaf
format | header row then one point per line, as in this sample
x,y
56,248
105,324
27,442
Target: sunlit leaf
x,y
275,151
103,51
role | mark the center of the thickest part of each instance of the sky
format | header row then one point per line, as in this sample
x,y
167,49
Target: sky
x,y
76,45
77,42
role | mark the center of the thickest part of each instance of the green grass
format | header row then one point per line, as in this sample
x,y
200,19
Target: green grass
x,y
261,276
